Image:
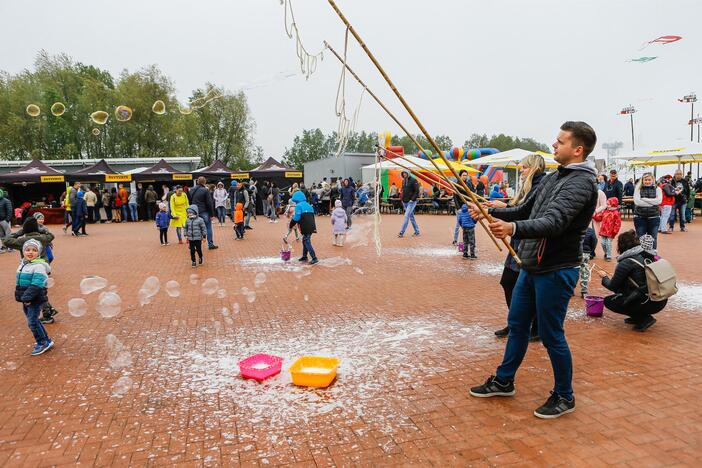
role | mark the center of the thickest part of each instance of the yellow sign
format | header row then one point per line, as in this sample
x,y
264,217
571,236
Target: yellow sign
x,y
240,176
666,151
293,175
182,177
118,177
52,178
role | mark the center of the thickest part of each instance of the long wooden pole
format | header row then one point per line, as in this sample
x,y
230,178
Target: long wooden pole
x,y
419,124
457,188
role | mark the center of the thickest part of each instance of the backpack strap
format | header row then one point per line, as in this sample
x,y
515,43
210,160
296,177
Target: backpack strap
x,y
639,264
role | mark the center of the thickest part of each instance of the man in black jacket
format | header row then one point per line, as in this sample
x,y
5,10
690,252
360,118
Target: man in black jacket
x,y
550,224
410,192
5,218
201,197
614,187
682,193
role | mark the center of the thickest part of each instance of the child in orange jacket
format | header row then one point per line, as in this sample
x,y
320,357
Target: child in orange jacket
x,y
239,221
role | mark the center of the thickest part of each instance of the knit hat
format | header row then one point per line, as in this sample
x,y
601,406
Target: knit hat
x,y
34,243
39,215
30,225
233,184
337,204
646,242
162,206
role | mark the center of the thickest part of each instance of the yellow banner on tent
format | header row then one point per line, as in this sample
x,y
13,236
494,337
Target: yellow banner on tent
x,y
240,176
118,177
293,175
182,177
52,178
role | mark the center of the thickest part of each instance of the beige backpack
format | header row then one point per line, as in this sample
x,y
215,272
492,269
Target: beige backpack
x,y
660,279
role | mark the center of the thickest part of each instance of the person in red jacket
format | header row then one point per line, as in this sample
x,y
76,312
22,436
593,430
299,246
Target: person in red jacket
x,y
611,224
666,204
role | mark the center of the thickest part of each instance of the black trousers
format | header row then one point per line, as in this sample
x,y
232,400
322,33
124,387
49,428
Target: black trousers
x,y
616,304
469,243
507,281
195,246
163,235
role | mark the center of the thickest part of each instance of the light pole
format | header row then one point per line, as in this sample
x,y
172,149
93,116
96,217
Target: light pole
x,y
696,121
692,99
630,111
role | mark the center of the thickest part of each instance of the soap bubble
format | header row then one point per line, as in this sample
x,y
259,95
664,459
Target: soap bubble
x,y
109,304
235,308
185,110
159,107
145,297
250,296
152,284
57,109
229,321
210,286
99,117
90,284
122,386
194,278
260,279
244,290
117,355
173,288
50,283
95,131
77,307
33,110
225,312
221,293
123,113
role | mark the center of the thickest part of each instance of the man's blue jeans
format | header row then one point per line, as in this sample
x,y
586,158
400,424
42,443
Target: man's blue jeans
x,y
134,211
32,311
409,216
545,296
208,226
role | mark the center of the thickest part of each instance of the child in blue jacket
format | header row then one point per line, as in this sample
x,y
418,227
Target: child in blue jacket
x,y
468,225
163,220
30,290
304,217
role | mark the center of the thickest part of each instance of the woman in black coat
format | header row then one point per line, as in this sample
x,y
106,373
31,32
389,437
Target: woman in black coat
x,y
629,284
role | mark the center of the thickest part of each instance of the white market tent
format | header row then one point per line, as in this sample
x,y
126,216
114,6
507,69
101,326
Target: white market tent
x,y
510,159
673,154
368,172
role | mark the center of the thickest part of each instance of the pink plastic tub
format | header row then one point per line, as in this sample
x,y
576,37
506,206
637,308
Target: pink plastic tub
x,y
285,252
594,306
460,247
260,367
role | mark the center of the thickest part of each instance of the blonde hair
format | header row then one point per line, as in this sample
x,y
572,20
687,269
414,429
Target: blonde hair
x,y
536,165
640,182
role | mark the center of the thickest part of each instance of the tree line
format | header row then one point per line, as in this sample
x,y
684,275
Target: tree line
x,y
314,144
223,129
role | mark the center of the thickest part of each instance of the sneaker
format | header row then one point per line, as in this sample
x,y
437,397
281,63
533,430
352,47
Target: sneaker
x,y
213,247
492,387
502,332
314,261
302,259
200,261
454,243
65,228
416,234
465,255
42,348
556,406
47,319
473,256
629,321
194,264
400,235
248,228
166,243
645,324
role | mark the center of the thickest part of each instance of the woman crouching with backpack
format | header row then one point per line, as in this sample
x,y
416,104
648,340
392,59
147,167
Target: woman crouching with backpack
x,y
629,284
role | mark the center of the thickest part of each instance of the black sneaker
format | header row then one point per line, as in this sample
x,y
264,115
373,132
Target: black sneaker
x,y
466,255
416,234
473,256
556,406
200,261
194,264
644,324
248,228
314,261
629,321
213,247
492,387
400,235
302,259
46,320
502,332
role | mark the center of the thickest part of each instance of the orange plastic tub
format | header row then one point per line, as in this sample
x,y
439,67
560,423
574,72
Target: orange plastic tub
x,y
314,371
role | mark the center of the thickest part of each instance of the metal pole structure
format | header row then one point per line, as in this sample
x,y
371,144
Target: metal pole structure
x,y
630,111
633,148
419,124
692,119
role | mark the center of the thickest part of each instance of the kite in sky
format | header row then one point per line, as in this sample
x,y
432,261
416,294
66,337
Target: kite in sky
x,y
663,40
642,59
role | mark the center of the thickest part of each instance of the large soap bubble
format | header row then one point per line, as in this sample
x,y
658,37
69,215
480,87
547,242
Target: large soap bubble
x,y
173,288
123,113
210,286
194,278
117,356
185,110
57,109
109,304
122,386
260,279
99,117
95,131
221,293
152,284
77,307
33,110
159,107
90,284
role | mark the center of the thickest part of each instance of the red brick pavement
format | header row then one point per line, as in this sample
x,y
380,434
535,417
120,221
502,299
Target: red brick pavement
x,y
413,329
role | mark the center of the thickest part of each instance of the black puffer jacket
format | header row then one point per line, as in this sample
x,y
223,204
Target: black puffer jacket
x,y
202,198
551,222
628,268
410,189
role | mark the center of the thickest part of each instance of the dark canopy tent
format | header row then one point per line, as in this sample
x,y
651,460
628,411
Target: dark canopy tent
x,y
99,172
35,182
215,172
162,172
273,171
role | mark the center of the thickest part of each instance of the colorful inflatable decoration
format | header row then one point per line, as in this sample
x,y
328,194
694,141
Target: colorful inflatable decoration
x,y
472,154
424,155
99,117
395,151
57,109
384,139
33,110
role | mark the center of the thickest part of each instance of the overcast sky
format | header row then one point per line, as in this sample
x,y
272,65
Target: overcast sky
x,y
504,66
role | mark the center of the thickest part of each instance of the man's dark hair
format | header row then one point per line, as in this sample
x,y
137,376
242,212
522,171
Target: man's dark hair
x,y
627,240
582,135
462,171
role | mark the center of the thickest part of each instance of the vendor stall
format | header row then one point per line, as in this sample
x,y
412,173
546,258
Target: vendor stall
x,y
35,185
99,173
216,172
163,172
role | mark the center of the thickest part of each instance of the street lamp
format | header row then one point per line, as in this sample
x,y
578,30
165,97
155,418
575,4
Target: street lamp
x,y
630,111
692,99
696,121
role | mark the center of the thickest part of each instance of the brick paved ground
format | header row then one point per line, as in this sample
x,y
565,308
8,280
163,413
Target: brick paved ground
x,y
413,329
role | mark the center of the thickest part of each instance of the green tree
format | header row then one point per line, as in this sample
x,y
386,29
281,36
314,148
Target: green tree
x,y
311,145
